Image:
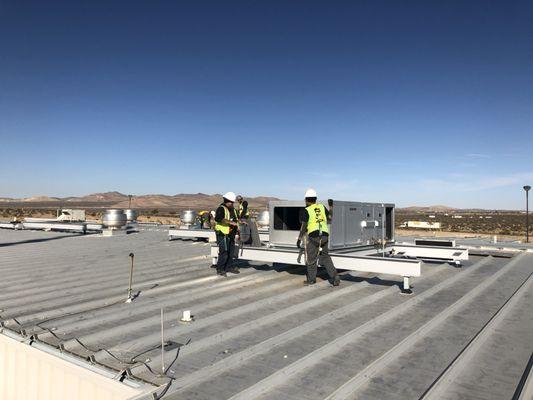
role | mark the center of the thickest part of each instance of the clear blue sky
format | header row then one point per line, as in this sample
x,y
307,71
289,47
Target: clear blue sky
x,y
415,102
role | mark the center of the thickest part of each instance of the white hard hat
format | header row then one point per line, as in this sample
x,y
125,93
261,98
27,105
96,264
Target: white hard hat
x,y
230,196
310,193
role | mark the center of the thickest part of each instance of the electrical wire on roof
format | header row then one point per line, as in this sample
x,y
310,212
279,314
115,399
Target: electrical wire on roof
x,y
171,379
132,360
86,347
105,351
164,391
177,355
157,346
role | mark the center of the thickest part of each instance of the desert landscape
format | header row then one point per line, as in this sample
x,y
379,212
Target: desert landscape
x,y
464,222
165,209
156,208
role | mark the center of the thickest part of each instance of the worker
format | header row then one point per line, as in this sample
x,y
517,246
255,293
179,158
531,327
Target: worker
x,y
203,217
211,219
242,208
226,226
315,218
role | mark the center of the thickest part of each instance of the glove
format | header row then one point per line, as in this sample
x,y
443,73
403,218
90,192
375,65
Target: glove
x,y
299,243
330,202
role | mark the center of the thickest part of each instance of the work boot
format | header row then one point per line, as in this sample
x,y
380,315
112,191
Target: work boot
x,y
234,271
309,283
336,281
221,273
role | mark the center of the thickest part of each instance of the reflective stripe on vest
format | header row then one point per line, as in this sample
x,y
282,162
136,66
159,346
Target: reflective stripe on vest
x,y
317,218
225,229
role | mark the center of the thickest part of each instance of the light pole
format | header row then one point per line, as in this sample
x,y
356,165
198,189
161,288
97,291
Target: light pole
x,y
129,198
527,188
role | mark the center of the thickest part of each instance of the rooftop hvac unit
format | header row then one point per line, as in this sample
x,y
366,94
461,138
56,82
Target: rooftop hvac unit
x,y
71,215
354,224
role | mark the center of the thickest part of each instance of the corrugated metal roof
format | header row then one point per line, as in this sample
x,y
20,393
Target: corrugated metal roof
x,y
261,334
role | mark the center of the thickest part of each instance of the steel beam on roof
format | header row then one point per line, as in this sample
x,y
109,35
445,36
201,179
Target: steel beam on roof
x,y
431,252
380,265
208,234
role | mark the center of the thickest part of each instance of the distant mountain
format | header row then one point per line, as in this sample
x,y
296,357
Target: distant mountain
x,y
40,198
119,200
99,197
196,201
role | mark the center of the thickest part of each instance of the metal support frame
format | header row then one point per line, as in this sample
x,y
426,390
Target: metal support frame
x,y
436,242
392,266
10,225
437,253
208,234
54,226
51,226
400,260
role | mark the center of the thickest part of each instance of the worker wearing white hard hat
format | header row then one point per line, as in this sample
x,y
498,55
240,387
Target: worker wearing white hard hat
x,y
309,193
230,196
226,225
315,218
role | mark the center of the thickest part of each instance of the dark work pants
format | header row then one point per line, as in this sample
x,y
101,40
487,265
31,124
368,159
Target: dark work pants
x,y
313,258
226,250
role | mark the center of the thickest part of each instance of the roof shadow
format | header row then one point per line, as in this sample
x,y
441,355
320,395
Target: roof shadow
x,y
372,281
39,240
302,270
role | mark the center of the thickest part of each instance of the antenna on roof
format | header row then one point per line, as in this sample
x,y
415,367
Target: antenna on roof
x,y
130,297
162,344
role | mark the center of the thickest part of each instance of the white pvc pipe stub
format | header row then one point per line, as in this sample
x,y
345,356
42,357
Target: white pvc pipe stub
x,y
406,288
186,317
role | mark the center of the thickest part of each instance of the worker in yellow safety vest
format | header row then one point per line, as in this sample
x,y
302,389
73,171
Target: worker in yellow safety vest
x,y
242,208
226,226
203,216
211,219
315,218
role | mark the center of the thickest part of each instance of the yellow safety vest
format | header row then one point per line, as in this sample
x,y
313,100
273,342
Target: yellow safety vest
x,y
317,219
239,209
225,229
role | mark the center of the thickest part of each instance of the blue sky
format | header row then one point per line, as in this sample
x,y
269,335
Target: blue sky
x,y
416,102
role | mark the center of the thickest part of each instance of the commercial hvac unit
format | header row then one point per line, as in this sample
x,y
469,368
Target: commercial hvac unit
x,y
353,224
70,215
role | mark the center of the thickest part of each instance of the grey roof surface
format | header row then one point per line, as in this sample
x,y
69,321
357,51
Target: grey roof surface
x,y
465,333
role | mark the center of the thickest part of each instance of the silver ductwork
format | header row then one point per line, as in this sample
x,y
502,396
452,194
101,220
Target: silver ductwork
x,y
188,217
263,220
114,218
131,215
